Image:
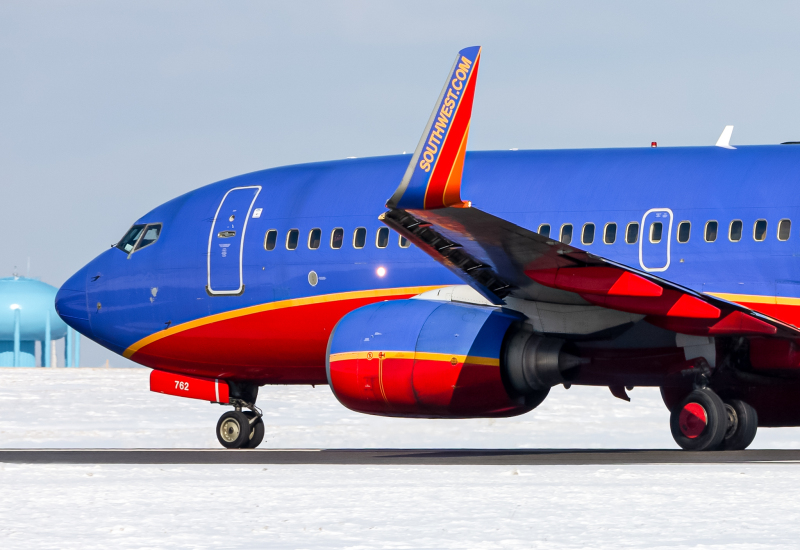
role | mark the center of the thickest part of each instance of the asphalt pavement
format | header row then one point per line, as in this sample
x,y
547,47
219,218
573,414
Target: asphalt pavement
x,y
421,457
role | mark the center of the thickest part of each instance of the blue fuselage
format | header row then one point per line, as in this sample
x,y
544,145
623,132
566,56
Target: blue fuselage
x,y
122,299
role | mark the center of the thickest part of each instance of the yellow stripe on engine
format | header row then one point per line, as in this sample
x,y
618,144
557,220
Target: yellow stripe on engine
x,y
424,356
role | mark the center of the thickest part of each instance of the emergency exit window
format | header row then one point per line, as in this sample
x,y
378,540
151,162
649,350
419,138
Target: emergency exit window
x,y
656,230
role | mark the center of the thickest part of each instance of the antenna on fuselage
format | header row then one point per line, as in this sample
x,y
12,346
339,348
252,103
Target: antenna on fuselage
x,y
725,138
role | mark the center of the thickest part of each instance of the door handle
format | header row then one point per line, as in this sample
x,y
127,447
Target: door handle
x,y
226,234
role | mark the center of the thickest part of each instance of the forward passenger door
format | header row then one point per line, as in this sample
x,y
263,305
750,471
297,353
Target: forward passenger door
x,y
226,241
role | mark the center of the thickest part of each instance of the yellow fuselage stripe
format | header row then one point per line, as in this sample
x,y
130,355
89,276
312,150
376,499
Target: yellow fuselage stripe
x,y
272,306
756,299
418,355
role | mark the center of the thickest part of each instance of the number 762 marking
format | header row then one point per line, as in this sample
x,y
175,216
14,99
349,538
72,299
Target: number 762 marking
x,y
181,385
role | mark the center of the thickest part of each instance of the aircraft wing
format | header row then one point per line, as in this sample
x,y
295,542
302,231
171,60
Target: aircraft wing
x,y
501,259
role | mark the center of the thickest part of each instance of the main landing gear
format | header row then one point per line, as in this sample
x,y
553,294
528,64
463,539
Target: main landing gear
x,y
704,422
239,429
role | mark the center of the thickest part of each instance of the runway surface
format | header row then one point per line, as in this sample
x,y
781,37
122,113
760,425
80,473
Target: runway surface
x,y
421,457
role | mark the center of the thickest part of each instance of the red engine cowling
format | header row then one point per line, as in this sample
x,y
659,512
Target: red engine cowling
x,y
421,358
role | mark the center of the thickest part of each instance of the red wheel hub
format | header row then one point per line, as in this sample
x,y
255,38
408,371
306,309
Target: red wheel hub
x,y
693,420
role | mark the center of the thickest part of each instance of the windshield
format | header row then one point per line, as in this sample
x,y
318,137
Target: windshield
x,y
150,236
127,242
144,235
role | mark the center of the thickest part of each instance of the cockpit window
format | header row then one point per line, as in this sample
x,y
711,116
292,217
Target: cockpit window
x,y
138,237
150,236
128,242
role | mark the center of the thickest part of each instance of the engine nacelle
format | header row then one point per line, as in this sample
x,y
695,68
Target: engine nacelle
x,y
433,359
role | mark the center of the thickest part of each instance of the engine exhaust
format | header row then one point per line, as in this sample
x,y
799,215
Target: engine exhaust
x,y
534,363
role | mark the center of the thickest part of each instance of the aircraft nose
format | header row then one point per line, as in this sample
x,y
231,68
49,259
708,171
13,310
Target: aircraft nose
x,y
72,305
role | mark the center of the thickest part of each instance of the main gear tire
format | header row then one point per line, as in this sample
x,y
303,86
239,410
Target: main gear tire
x,y
256,431
233,430
700,421
742,425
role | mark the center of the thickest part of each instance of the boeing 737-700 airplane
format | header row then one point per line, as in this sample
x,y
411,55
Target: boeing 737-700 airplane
x,y
485,280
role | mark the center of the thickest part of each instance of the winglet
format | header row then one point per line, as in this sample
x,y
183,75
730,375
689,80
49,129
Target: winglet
x,y
725,138
433,179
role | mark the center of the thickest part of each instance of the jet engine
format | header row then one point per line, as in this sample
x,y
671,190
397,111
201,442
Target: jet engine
x,y
424,358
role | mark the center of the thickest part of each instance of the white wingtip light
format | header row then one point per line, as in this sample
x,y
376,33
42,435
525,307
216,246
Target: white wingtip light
x,y
725,138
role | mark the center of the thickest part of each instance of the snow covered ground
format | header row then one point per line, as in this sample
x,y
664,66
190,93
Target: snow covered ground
x,y
474,507
114,408
361,507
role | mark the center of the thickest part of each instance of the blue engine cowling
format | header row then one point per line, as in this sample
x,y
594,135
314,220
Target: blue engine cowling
x,y
425,358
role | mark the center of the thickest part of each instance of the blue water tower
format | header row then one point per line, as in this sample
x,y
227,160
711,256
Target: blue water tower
x,y
27,316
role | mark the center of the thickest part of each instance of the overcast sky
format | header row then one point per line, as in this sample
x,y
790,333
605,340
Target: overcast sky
x,y
108,109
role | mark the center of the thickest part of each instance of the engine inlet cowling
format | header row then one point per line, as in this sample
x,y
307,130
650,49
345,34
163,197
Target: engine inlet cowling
x,y
424,358
535,363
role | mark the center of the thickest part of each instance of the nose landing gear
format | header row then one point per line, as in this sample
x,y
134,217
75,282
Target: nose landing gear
x,y
240,430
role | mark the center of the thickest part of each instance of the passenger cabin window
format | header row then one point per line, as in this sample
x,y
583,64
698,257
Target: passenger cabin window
x,y
760,230
270,239
314,237
587,236
360,237
566,233
735,231
382,238
684,232
128,242
711,231
291,239
610,233
337,238
544,230
656,229
404,243
632,233
784,230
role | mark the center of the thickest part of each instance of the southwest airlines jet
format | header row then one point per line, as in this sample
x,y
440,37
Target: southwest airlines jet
x,y
486,279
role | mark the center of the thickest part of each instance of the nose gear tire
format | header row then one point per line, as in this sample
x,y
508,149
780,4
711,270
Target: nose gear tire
x,y
233,430
256,431
742,427
700,421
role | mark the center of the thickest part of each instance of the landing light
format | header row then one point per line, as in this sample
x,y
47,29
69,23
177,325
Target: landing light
x,y
381,271
15,306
